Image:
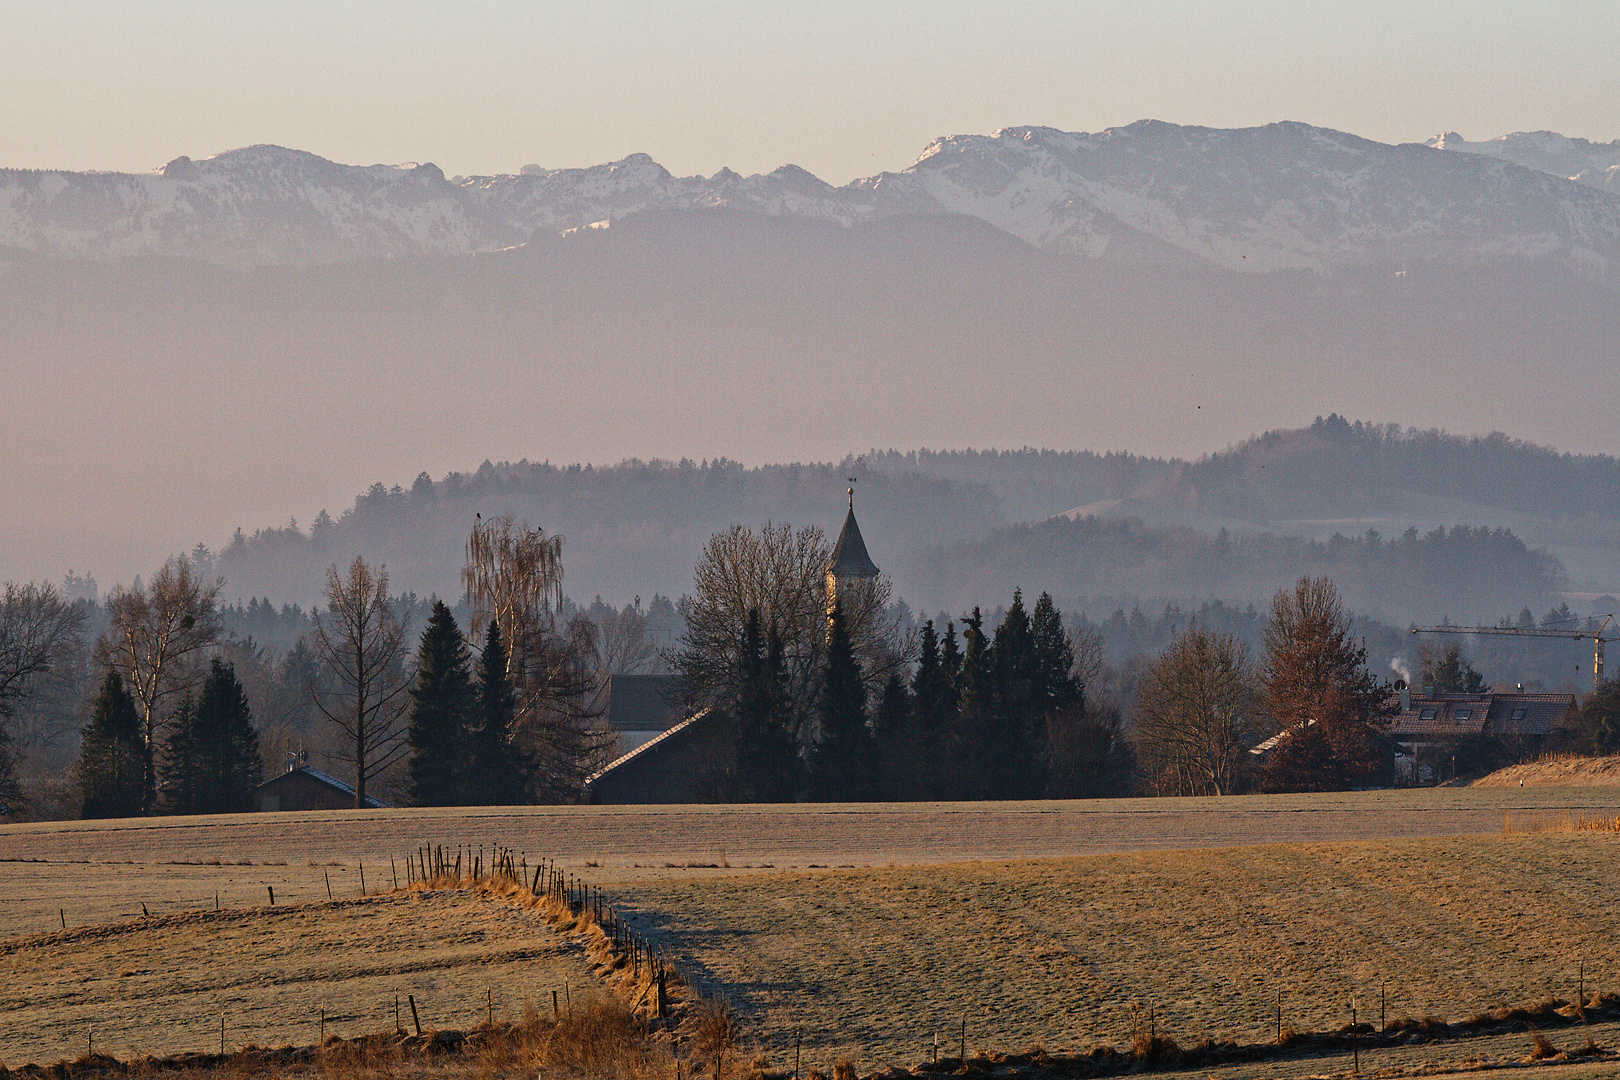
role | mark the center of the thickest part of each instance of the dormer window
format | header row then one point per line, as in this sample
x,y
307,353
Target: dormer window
x,y
1426,714
1464,714
1516,714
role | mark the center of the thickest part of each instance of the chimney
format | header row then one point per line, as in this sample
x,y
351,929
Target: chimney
x,y
1406,698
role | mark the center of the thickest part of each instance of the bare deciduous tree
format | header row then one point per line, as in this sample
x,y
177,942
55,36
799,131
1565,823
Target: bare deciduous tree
x,y
156,640
362,643
35,623
1195,714
782,574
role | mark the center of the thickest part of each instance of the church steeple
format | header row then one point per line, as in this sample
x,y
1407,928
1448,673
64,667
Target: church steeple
x,y
850,565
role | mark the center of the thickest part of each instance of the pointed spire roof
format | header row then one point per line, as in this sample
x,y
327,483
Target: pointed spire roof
x,y
849,557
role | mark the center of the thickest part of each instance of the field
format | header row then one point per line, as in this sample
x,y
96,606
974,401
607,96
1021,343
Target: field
x,y
866,931
162,985
873,964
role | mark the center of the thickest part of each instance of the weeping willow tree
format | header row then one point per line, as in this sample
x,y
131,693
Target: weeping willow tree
x,y
513,578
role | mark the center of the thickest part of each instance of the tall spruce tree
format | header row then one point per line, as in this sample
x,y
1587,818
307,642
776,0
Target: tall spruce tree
x,y
894,735
767,755
1016,766
443,705
211,759
973,742
177,789
844,752
1056,685
933,714
229,765
112,757
500,768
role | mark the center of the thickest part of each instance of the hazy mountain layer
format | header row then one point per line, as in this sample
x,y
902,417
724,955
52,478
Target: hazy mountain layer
x,y
1285,196
157,402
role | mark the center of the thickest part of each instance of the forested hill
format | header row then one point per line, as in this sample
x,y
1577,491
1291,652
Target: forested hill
x,y
938,521
636,528
1341,468
1088,564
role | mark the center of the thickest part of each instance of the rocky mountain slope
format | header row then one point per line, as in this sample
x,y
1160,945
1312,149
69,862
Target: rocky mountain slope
x,y
1594,164
1284,196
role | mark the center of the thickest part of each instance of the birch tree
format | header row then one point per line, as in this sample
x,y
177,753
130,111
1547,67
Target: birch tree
x,y
156,640
513,578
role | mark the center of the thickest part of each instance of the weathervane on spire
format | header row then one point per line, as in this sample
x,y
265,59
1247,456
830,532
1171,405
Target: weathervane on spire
x,y
852,494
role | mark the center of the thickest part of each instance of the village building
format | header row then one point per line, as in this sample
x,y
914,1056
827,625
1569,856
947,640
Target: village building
x,y
850,567
640,708
677,760
304,788
1433,730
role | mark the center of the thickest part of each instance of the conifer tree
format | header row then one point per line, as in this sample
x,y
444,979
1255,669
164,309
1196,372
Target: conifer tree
x,y
229,765
1056,686
443,703
211,760
973,741
767,755
1015,765
843,754
932,719
112,758
500,769
177,792
896,741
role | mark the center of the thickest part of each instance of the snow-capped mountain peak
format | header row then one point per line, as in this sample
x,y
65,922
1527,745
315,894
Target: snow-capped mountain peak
x,y
1287,195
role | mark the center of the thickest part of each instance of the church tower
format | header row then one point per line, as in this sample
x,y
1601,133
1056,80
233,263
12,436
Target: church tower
x,y
850,566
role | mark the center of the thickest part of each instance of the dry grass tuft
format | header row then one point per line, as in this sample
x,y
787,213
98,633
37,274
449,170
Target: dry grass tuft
x,y
1561,823
1543,1049
711,1030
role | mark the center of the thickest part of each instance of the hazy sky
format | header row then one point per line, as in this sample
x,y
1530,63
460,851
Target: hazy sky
x,y
844,89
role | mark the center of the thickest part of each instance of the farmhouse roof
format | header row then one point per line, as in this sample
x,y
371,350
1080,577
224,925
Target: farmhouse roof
x,y
1459,715
651,746
316,774
849,557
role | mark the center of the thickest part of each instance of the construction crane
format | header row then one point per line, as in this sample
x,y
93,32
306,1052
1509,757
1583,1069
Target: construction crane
x,y
1596,638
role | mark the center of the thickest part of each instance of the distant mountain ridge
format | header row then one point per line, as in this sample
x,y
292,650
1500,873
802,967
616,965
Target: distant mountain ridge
x,y
1284,196
1594,164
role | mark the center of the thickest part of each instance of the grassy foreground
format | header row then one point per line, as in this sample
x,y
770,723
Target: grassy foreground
x,y
876,964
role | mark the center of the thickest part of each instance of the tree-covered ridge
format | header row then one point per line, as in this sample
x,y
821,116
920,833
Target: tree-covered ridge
x,y
1462,572
1342,468
639,527
633,528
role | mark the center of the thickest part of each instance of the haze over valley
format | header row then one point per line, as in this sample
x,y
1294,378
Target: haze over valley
x,y
239,340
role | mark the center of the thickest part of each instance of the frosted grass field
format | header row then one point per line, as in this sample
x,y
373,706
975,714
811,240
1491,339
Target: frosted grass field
x,y
865,928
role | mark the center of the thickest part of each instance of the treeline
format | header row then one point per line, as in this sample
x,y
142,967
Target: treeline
x,y
997,713
1463,572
